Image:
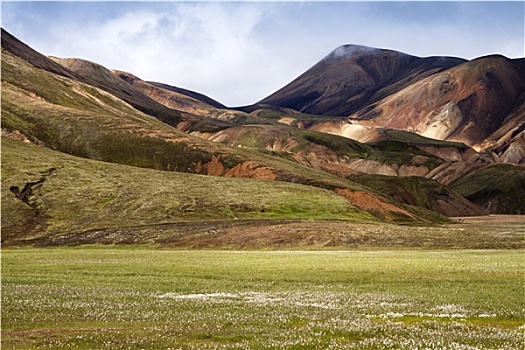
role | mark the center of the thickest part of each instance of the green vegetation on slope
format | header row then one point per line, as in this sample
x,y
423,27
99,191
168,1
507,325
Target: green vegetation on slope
x,y
80,194
341,145
415,139
498,188
420,192
81,120
411,190
78,119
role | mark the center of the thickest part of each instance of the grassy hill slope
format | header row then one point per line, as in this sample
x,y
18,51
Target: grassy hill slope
x,y
497,188
47,193
421,192
81,120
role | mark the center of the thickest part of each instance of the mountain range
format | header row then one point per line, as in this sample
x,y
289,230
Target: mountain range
x,y
366,134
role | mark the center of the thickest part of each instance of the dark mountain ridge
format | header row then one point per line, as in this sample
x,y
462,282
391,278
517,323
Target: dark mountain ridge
x,y
196,95
353,76
18,48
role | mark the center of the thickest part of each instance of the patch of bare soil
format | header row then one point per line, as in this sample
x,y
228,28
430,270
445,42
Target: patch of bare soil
x,y
251,170
213,167
247,169
371,203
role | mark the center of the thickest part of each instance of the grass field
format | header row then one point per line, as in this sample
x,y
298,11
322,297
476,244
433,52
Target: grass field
x,y
96,297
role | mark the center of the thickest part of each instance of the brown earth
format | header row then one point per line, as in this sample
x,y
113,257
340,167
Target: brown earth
x,y
373,204
251,169
166,97
494,219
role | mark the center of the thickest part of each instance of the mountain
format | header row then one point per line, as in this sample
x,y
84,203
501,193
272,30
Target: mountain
x,y
108,80
44,111
480,103
182,100
467,103
352,77
123,152
35,58
82,120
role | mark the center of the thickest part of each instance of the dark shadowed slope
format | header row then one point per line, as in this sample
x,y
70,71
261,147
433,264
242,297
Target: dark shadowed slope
x,y
18,48
351,77
497,188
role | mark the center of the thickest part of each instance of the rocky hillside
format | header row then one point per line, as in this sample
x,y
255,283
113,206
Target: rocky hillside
x,y
467,103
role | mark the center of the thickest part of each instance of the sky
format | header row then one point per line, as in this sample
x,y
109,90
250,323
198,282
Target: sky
x,y
240,52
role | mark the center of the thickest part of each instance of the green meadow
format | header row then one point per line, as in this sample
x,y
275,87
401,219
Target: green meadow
x,y
142,297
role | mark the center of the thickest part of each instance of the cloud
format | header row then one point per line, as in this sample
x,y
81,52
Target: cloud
x,y
240,52
200,46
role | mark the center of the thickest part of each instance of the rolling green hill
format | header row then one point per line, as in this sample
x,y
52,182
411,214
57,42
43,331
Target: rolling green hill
x,y
46,193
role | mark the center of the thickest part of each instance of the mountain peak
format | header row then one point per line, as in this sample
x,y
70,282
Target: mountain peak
x,y
352,50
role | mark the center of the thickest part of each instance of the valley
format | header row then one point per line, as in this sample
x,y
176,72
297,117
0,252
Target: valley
x,y
376,201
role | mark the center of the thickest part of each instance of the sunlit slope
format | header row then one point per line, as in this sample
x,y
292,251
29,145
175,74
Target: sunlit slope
x,y
399,162
331,153
467,103
45,192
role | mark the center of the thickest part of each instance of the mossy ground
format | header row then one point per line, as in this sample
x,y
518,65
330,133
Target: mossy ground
x,y
498,187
